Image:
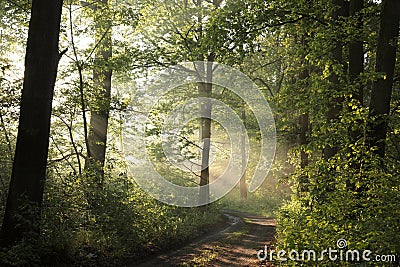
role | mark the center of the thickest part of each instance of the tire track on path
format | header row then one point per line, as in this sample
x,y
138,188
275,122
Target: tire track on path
x,y
235,246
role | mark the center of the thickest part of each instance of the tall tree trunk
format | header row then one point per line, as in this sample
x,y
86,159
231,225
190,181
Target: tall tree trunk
x,y
356,67
304,127
100,107
382,87
243,185
22,214
337,58
205,90
304,118
304,121
356,53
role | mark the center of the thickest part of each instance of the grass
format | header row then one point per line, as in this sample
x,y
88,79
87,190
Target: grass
x,y
256,203
205,257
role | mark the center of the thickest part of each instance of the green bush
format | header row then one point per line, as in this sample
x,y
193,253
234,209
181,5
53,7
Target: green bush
x,y
340,202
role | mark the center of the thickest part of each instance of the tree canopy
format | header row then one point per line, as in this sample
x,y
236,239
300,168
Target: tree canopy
x,y
73,72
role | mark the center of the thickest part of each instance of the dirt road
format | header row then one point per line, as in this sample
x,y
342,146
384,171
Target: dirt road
x,y
234,246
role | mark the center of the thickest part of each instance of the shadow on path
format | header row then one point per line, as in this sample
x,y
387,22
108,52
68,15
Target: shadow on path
x,y
236,245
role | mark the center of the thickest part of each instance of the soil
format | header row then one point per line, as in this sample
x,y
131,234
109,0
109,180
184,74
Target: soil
x,y
236,244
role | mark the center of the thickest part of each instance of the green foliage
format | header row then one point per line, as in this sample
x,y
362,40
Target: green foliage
x,y
342,203
21,254
126,224
285,47
353,194
265,201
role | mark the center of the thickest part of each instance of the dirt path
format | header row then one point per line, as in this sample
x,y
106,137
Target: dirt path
x,y
236,245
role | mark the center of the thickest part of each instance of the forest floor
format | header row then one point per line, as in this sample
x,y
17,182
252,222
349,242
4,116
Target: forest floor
x,y
234,245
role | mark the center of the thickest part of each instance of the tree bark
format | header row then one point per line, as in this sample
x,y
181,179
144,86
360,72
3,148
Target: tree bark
x,y
337,58
243,185
205,90
356,68
304,117
304,121
304,127
100,108
22,214
356,53
382,87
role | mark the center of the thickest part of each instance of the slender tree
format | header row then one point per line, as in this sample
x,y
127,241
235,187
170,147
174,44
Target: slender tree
x,y
205,90
337,58
100,108
304,117
22,214
242,184
356,68
356,51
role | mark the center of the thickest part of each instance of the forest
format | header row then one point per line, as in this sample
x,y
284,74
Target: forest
x,y
199,133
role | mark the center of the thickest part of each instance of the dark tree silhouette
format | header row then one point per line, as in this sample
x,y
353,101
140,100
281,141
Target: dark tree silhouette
x,y
382,87
22,214
337,58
